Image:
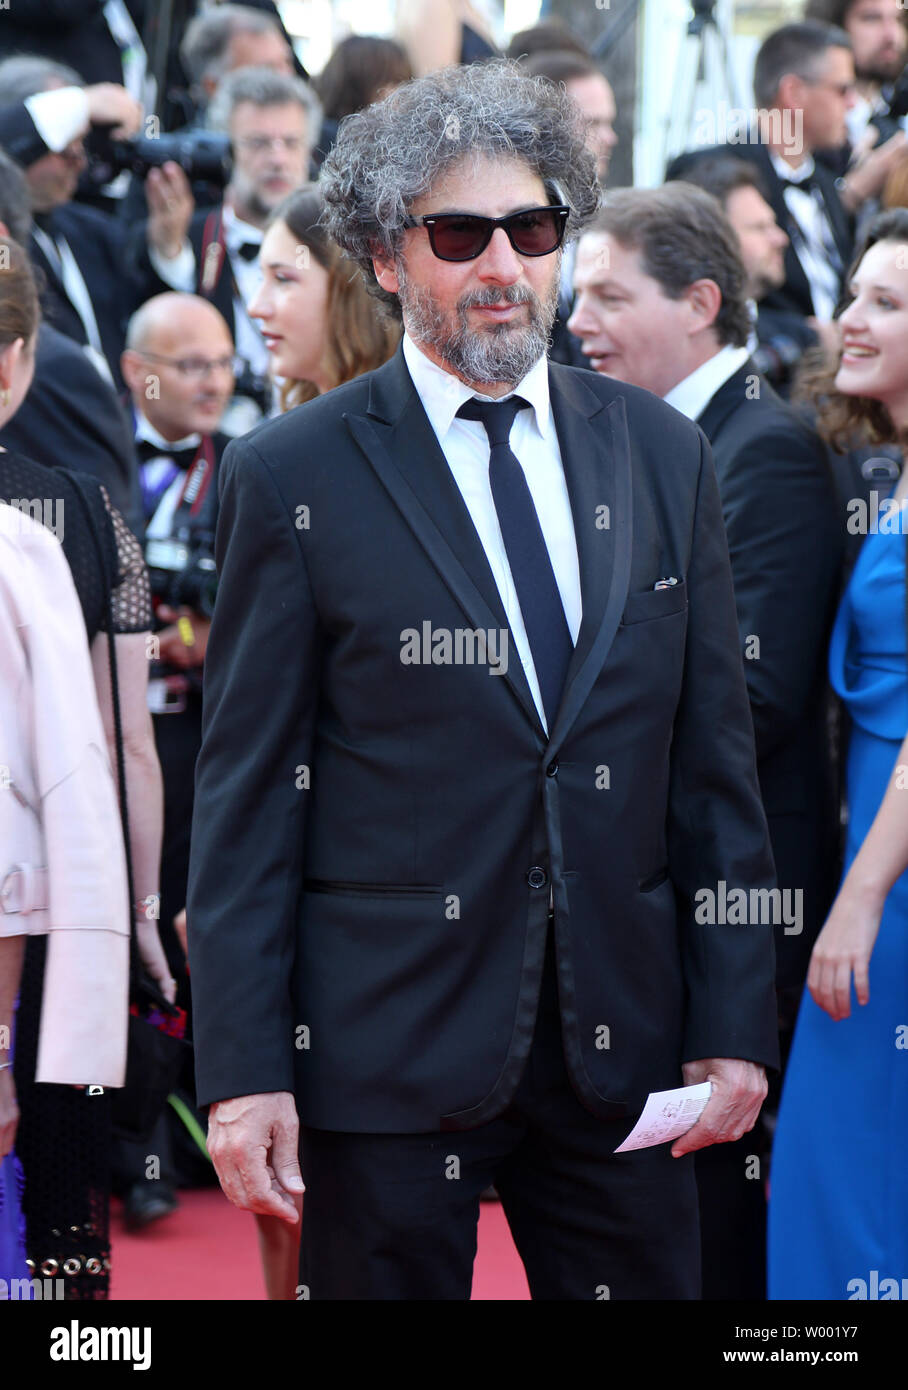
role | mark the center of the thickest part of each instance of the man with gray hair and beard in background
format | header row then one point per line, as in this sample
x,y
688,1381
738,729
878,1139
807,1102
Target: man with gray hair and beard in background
x,y
272,121
441,926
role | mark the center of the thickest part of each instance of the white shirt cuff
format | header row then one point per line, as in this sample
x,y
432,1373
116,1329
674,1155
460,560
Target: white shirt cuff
x,y
178,273
60,116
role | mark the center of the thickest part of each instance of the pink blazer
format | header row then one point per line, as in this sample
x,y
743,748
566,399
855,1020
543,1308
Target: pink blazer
x,y
62,863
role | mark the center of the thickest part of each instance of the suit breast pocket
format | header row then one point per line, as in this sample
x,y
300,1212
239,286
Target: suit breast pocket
x,y
654,603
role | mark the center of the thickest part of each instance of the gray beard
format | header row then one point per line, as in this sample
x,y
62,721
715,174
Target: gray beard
x,y
501,353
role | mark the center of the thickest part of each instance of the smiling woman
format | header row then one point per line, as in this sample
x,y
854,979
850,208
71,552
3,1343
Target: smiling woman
x,y
839,1201
865,395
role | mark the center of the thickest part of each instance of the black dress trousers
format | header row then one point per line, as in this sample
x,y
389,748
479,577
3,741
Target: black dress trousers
x,y
394,1216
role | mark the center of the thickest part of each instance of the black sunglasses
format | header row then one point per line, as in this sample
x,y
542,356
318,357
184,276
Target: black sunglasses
x,y
462,236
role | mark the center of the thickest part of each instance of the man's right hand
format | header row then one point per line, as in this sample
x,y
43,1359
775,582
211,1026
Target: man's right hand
x,y
110,104
252,1141
170,209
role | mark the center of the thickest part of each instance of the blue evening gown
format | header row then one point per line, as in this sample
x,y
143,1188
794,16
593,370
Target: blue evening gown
x,y
838,1205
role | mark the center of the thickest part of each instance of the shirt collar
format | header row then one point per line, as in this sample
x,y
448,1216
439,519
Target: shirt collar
x,y
692,395
442,393
786,172
237,232
146,431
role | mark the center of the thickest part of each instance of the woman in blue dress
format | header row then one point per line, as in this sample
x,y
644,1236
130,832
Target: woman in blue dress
x,y
838,1210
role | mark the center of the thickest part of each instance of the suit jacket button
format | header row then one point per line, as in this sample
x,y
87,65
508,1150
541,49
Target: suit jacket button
x,y
552,770
537,877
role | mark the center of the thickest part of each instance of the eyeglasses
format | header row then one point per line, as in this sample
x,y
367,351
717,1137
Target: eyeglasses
x,y
462,236
841,89
258,144
198,367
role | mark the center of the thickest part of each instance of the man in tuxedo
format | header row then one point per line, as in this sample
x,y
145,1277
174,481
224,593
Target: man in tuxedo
x,y
804,88
179,366
661,304
71,416
476,738
89,293
271,120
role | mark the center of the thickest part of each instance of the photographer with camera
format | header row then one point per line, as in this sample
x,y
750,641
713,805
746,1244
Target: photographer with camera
x,y
271,120
88,291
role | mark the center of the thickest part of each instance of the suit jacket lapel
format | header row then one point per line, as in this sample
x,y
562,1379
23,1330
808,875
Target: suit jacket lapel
x,y
727,399
400,444
595,452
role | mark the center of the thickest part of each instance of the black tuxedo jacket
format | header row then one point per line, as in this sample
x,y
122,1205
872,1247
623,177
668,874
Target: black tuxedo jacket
x,y
786,540
220,293
72,418
375,842
795,293
97,241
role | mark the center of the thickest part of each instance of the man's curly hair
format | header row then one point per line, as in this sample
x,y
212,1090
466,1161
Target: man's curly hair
x,y
393,152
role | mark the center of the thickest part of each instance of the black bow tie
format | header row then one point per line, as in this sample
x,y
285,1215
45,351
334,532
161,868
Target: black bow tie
x,y
182,457
805,185
249,250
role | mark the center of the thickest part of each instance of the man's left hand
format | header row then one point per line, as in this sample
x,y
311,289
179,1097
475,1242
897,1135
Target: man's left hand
x,y
739,1089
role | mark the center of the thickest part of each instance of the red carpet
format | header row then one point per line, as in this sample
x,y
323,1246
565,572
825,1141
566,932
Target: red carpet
x,y
209,1250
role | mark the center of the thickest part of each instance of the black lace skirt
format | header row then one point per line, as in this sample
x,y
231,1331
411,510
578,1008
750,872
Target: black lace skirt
x,y
64,1143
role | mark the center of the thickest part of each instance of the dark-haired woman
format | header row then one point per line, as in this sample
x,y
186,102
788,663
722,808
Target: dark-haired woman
x,y
64,1136
361,69
838,1212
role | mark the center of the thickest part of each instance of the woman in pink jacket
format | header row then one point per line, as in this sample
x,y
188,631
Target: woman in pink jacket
x,y
61,856
59,830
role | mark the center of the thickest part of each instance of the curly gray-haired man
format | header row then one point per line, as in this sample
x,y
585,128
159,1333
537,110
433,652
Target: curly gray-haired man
x,y
476,743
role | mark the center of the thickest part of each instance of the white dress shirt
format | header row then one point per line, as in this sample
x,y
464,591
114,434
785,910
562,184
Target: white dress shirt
x,y
161,524
534,443
180,273
692,395
816,244
60,255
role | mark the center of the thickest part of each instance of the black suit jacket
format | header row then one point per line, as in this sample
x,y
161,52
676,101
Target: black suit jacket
x,y
786,540
220,293
72,418
97,241
374,842
73,32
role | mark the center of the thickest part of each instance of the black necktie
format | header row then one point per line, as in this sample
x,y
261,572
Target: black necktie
x,y
531,568
183,457
249,250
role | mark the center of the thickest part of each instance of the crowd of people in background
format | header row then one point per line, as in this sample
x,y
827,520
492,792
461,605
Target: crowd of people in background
x,y
164,287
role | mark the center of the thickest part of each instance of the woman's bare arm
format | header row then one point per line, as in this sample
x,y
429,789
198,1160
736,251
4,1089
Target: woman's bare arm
x,y
144,783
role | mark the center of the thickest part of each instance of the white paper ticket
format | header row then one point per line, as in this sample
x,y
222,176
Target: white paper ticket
x,y
667,1114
